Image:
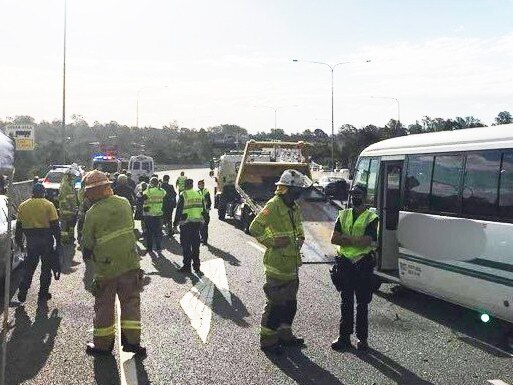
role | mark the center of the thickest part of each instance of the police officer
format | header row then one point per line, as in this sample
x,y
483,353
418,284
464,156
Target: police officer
x,y
68,206
38,220
169,203
180,182
108,238
278,227
153,198
190,216
208,204
355,234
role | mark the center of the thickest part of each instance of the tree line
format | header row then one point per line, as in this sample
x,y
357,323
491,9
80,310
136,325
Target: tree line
x,y
172,144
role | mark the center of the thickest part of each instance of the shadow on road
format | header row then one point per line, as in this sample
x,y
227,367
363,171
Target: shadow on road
x,y
142,374
171,244
490,337
106,370
30,343
67,263
397,373
166,268
300,368
236,312
223,255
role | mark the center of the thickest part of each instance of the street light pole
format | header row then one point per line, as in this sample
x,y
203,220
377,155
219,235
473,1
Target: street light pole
x,y
137,108
332,69
275,109
63,127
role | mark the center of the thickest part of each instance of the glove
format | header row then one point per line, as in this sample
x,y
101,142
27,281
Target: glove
x,y
56,262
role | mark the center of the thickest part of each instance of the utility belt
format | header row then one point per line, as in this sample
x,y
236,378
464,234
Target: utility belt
x,y
367,261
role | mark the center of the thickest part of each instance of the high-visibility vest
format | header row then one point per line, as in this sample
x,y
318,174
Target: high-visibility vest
x,y
355,229
153,205
204,193
193,206
180,182
279,220
68,201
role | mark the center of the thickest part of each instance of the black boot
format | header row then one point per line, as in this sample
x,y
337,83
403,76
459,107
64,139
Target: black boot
x,y
137,349
341,344
94,351
44,296
22,295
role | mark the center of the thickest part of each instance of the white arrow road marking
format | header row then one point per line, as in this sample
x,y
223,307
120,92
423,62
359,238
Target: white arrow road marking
x,y
128,370
497,382
197,303
257,246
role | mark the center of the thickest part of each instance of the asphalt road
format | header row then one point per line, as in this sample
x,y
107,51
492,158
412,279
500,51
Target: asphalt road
x,y
415,339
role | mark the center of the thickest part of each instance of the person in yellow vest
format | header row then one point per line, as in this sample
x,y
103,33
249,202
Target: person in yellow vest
x,y
208,204
68,206
355,234
190,216
38,220
180,182
108,238
278,227
153,198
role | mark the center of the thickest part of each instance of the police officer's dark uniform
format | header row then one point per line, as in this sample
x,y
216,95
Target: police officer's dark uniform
x,y
355,234
38,220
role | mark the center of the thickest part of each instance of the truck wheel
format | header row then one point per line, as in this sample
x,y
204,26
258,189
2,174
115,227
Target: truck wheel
x,y
221,213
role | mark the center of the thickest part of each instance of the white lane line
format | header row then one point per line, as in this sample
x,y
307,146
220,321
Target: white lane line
x,y
257,246
197,303
127,370
497,382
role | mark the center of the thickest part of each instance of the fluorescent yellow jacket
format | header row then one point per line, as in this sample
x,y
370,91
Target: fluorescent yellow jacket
x,y
278,220
109,232
355,229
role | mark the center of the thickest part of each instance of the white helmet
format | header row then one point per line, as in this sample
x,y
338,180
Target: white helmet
x,y
294,178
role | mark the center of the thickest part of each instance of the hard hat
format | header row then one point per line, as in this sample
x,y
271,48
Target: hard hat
x,y
294,178
154,181
358,189
95,178
73,169
122,178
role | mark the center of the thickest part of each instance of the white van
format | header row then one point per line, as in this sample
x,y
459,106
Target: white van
x,y
141,165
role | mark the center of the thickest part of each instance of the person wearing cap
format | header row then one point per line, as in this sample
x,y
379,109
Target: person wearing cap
x,y
153,198
355,234
123,190
189,215
207,202
180,182
169,204
39,222
108,239
68,206
278,227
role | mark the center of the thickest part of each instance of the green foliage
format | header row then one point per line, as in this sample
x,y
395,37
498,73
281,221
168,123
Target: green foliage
x,y
503,117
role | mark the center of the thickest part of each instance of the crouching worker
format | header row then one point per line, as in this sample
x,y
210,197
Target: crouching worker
x,y
108,238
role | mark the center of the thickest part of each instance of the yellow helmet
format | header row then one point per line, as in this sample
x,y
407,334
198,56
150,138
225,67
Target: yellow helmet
x,y
95,178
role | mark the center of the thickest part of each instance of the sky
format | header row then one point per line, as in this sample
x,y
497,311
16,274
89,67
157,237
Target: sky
x,y
205,63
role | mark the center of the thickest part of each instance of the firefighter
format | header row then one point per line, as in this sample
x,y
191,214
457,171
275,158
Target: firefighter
x,y
38,220
68,206
190,216
153,198
108,238
207,202
278,227
355,234
180,182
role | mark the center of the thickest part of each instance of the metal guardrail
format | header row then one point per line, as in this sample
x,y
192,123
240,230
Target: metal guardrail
x,y
21,191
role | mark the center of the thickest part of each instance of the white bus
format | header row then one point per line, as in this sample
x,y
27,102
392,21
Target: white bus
x,y
141,165
445,202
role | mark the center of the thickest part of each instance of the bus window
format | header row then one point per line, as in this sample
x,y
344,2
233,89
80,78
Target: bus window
x,y
418,182
136,165
446,184
145,166
371,182
362,172
481,182
506,187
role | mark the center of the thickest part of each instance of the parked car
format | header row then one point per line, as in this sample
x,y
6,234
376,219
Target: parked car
x,y
17,256
334,187
53,178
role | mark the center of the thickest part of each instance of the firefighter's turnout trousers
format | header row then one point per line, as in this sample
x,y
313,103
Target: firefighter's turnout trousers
x,y
127,287
279,312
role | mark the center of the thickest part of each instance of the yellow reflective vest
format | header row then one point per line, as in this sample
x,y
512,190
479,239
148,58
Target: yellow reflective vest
x,y
180,183
68,202
355,229
153,205
278,220
109,232
193,206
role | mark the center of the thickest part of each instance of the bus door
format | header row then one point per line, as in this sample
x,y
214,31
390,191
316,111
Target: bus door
x,y
391,173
